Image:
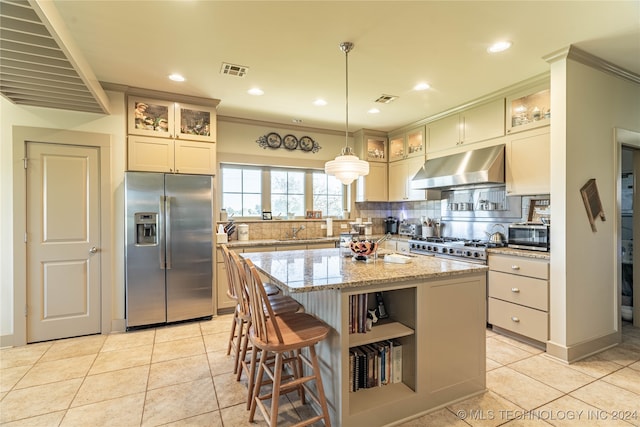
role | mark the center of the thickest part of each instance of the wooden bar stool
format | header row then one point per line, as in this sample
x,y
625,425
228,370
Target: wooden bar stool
x,y
284,336
280,304
236,334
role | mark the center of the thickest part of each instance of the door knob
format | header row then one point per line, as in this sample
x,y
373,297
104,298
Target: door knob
x,y
93,250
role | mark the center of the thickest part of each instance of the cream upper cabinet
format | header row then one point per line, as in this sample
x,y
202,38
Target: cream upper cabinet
x,y
444,133
407,144
173,137
528,167
166,119
372,147
172,156
400,175
528,109
476,124
373,187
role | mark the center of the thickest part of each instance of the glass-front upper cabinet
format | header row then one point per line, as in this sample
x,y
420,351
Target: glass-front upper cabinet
x,y
376,149
528,109
408,144
167,119
396,147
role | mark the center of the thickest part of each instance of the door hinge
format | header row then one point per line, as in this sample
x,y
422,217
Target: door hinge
x,y
26,310
25,160
25,237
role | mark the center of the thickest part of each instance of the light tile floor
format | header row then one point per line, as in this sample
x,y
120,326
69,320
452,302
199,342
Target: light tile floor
x,y
180,376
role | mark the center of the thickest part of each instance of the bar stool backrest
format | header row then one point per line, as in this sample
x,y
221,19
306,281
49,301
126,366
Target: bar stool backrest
x,y
240,283
226,257
262,317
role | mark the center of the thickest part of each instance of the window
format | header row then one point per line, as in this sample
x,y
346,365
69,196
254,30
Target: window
x,y
242,190
248,190
327,194
287,192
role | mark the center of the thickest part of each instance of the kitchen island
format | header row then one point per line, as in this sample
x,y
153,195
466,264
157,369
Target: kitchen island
x,y
436,312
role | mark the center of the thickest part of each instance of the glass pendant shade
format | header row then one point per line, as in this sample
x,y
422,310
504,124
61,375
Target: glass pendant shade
x,y
346,167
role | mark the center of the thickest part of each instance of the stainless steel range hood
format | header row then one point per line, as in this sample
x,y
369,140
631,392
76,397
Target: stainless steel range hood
x,y
481,166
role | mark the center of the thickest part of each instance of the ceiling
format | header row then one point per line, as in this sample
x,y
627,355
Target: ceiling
x,y
292,54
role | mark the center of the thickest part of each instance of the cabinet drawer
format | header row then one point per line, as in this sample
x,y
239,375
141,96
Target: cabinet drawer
x,y
521,320
519,265
521,290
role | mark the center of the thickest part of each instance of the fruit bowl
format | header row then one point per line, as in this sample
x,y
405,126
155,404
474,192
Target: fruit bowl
x,y
363,248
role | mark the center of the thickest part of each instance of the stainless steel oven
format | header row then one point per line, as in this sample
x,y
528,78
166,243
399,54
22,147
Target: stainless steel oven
x,y
529,236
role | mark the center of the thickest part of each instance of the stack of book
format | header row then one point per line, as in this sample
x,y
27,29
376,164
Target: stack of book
x,y
358,305
375,365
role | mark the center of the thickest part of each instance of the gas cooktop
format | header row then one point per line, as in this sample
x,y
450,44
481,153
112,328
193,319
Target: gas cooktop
x,y
452,247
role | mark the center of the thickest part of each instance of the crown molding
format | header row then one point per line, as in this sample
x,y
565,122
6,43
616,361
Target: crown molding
x,y
579,55
230,119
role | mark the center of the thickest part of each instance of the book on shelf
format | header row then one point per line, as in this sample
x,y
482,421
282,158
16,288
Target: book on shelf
x,y
396,361
374,365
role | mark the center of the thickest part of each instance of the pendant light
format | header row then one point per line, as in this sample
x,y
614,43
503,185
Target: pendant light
x,y
347,166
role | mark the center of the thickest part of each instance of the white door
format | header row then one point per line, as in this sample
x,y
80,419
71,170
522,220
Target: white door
x,y
63,241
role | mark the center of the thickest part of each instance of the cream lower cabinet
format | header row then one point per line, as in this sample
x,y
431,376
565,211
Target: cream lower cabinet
x,y
400,175
518,291
373,187
396,245
528,167
172,156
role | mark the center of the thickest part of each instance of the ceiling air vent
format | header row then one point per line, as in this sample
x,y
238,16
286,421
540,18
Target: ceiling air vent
x,y
385,99
234,70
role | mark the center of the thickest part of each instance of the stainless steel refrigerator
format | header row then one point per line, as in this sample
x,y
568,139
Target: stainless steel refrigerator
x,y
169,248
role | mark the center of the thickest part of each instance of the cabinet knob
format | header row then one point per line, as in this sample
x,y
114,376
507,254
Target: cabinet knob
x,y
515,267
515,290
515,319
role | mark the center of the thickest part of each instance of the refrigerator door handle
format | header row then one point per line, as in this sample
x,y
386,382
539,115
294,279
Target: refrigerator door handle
x,y
161,233
167,204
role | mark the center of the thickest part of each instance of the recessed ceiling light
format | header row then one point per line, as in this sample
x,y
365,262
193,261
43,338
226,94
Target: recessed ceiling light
x,y
499,47
373,111
297,121
176,78
256,91
421,86
320,102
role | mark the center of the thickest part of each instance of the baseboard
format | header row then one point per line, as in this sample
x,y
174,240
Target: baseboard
x,y
574,353
118,325
6,341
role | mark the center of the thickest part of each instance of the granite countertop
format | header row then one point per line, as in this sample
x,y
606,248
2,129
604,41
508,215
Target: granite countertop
x,y
520,252
322,269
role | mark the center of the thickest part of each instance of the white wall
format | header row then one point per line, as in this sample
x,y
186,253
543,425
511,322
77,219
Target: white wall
x,y
14,115
236,142
587,104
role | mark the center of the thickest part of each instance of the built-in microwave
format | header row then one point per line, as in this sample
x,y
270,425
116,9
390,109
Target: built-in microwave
x,y
529,236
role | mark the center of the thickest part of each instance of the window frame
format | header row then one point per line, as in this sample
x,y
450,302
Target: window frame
x,y
266,189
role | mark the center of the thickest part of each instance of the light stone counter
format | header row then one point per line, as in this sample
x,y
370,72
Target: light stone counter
x,y
322,269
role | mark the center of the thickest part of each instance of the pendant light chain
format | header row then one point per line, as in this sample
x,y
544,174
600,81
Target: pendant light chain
x,y
346,47
346,167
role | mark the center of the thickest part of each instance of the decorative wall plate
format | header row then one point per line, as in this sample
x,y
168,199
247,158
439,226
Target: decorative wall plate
x,y
290,142
306,143
274,140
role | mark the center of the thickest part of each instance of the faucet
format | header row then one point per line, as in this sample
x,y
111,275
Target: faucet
x,y
294,231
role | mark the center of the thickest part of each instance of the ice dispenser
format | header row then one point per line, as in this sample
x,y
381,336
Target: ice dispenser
x,y
146,228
